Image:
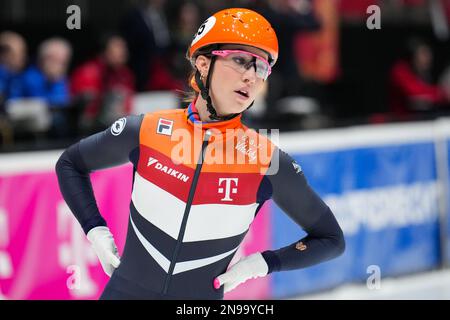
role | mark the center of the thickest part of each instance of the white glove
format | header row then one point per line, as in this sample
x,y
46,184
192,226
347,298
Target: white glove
x,y
250,267
104,246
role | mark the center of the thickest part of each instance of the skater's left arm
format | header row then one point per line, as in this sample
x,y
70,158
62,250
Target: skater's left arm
x,y
292,193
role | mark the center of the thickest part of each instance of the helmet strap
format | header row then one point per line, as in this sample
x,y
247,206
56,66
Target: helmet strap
x,y
204,91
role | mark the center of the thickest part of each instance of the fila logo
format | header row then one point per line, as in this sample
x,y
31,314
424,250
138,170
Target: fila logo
x,y
228,187
170,171
164,127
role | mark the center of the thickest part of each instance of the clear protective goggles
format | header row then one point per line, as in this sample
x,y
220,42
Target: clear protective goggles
x,y
242,61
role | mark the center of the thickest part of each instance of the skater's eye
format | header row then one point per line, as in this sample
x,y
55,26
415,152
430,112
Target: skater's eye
x,y
240,61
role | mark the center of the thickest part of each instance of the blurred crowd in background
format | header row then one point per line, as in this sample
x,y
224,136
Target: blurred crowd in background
x,y
58,85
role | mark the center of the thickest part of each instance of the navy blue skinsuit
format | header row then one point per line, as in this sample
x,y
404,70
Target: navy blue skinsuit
x,y
139,276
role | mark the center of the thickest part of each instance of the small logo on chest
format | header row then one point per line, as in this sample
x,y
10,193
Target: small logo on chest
x,y
164,127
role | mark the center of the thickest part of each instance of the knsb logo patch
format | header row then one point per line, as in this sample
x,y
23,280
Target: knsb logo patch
x,y
118,126
164,127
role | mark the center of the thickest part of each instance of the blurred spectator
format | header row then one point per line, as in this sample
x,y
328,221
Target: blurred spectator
x,y
105,83
188,20
444,82
13,59
317,53
48,78
411,88
146,32
288,18
33,96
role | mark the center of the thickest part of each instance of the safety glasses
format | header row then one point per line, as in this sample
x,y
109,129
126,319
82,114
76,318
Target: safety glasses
x,y
242,61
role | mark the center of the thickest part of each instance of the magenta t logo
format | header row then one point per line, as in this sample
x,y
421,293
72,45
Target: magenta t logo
x,y
228,188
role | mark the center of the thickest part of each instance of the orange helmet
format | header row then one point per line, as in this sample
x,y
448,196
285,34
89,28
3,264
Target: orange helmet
x,y
236,26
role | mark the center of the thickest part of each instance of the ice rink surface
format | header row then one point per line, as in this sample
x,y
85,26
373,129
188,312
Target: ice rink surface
x,y
433,285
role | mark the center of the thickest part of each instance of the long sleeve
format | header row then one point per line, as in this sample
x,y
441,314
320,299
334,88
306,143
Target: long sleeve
x,y
111,147
412,86
292,193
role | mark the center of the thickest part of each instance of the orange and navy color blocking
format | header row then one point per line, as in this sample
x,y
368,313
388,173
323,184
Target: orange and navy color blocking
x,y
197,208
161,149
197,187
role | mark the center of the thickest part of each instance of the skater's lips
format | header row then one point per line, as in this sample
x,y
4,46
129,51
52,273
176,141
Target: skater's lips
x,y
244,91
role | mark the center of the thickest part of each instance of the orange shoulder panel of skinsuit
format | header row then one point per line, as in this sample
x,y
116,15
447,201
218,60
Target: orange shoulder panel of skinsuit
x,y
250,152
149,135
242,151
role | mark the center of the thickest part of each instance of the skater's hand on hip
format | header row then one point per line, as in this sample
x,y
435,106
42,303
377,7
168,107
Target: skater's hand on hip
x,y
104,246
251,267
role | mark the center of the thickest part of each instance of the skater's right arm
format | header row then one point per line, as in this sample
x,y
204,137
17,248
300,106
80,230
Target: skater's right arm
x,y
111,147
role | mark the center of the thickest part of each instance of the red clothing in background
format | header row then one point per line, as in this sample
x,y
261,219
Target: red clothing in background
x,y
406,86
355,8
96,78
160,78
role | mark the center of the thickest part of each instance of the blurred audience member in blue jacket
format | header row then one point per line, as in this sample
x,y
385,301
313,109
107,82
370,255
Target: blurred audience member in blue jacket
x,y
13,59
47,79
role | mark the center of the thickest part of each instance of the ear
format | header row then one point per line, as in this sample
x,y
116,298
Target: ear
x,y
202,64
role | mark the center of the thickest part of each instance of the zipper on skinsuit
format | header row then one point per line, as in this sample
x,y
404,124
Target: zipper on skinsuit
x,y
186,212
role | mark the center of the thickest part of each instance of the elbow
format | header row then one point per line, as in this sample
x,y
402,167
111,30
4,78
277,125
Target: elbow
x,y
333,232
70,160
341,246
61,163
340,243
338,238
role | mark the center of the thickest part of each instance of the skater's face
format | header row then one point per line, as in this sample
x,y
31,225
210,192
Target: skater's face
x,y
236,81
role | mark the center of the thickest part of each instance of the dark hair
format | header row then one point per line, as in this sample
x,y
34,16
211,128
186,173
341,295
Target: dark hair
x,y
106,38
190,94
412,44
